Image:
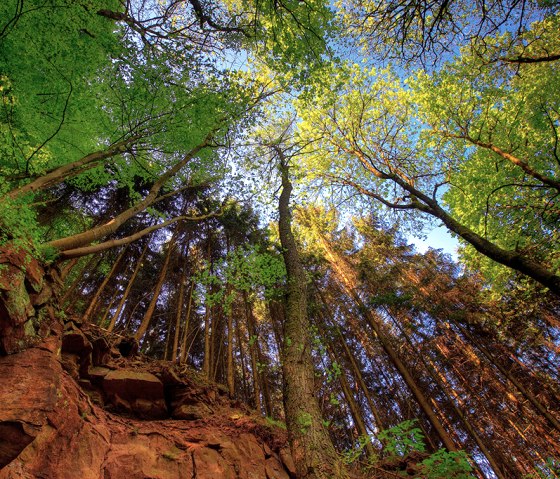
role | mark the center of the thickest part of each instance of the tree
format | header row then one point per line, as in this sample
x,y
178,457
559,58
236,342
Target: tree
x,y
348,278
310,444
149,131
368,133
427,32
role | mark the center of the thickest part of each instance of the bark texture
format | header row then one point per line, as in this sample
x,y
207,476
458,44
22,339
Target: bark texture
x,y
313,452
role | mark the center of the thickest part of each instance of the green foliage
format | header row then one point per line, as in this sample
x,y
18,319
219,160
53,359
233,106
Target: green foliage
x,y
84,83
247,268
549,470
474,109
402,439
448,133
446,465
52,106
406,438
350,456
18,220
289,37
333,400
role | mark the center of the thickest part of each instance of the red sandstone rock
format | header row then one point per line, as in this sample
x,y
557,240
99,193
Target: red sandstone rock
x,y
50,428
275,469
22,290
137,392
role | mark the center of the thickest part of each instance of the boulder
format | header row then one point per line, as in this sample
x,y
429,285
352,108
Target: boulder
x,y
136,392
275,469
76,345
49,429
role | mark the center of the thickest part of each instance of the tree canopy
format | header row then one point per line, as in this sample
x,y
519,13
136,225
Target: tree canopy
x,y
237,185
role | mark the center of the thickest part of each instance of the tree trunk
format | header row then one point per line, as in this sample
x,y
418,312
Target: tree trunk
x,y
93,303
355,410
522,389
230,376
253,339
184,351
179,311
108,310
67,268
357,373
127,290
244,373
91,264
207,364
58,175
349,280
312,450
420,201
99,232
512,259
151,308
454,400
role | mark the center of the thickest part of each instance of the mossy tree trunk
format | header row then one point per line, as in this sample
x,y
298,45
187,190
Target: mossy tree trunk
x,y
312,449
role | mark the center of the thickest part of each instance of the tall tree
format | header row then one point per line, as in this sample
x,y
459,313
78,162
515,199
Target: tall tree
x,y
312,449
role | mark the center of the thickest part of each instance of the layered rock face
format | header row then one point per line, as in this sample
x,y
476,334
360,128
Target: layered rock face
x,y
74,407
25,291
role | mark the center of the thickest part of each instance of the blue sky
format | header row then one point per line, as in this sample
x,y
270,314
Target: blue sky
x,y
438,238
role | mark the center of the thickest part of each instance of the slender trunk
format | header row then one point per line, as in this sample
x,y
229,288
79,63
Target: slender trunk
x,y
108,310
135,307
167,339
275,309
242,359
184,351
453,399
355,410
312,450
93,303
379,370
219,361
127,290
151,308
58,175
207,364
67,268
91,264
253,339
268,407
179,311
354,366
416,391
230,376
522,389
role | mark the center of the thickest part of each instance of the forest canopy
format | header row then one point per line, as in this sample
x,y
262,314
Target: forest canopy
x,y
237,185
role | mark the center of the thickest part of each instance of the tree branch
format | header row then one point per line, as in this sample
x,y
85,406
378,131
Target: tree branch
x,y
83,251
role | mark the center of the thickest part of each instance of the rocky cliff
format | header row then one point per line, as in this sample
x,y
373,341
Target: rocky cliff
x,y
78,403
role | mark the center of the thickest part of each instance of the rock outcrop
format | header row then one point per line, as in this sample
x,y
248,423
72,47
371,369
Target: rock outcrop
x,y
25,291
73,406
